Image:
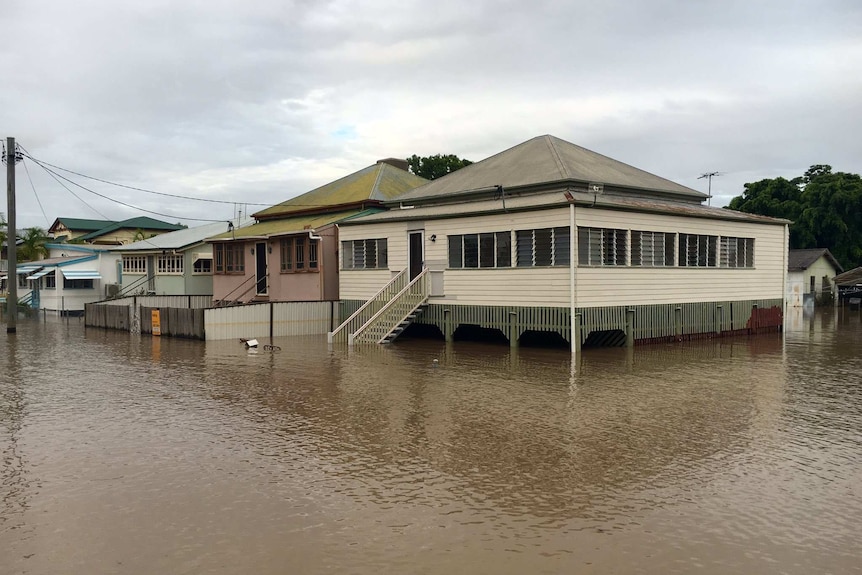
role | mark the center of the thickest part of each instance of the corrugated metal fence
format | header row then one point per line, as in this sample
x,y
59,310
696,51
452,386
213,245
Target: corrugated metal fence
x,y
276,319
191,316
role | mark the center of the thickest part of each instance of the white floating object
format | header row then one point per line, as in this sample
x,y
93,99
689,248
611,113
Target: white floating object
x,y
251,343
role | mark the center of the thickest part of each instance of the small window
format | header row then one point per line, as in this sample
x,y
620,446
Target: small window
x,y
169,264
364,254
543,247
229,258
299,254
653,249
697,250
602,247
487,250
135,265
203,266
736,252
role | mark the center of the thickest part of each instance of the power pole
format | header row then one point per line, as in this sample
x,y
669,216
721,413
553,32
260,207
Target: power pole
x,y
11,239
709,176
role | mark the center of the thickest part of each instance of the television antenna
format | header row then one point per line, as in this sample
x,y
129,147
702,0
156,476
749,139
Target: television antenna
x,y
709,176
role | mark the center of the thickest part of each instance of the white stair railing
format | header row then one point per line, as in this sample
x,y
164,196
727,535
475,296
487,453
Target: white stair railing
x,y
393,312
369,308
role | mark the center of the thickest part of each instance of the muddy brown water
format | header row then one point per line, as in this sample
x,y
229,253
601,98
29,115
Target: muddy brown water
x,y
130,454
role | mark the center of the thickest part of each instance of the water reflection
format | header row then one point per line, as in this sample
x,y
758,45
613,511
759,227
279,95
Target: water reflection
x,y
166,455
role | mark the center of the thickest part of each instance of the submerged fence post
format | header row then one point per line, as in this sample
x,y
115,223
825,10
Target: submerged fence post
x,y
513,329
448,328
576,333
630,327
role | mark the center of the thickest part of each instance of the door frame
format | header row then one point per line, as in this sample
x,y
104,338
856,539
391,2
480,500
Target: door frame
x,y
260,268
415,261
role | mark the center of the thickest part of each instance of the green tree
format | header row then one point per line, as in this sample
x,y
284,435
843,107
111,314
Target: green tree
x,y
436,166
33,245
825,208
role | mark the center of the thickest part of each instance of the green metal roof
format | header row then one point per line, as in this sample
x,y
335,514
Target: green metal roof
x,y
380,181
142,223
288,225
82,224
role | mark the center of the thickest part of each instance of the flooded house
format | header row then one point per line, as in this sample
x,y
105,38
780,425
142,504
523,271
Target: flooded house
x,y
73,275
290,253
550,239
811,277
174,263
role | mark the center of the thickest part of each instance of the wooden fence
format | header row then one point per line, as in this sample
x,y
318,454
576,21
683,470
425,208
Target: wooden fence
x,y
175,322
107,316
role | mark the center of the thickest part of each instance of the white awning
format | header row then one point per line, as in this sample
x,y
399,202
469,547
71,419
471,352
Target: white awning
x,y
203,256
40,273
26,269
81,274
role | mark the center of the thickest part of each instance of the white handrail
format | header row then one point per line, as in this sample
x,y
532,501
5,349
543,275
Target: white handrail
x,y
386,307
331,335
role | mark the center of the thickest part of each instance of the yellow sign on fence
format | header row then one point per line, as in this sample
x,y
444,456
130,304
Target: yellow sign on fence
x,y
157,323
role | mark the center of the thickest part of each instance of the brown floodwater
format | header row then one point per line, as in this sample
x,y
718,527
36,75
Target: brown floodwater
x,y
138,455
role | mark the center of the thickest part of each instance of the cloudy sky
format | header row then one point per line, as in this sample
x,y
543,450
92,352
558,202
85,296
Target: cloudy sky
x,y
258,101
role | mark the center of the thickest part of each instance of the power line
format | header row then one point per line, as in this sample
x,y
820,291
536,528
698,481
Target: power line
x,y
43,164
26,169
56,175
136,188
79,198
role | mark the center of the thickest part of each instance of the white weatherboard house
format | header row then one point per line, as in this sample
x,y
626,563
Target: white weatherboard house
x,y
73,275
810,277
551,237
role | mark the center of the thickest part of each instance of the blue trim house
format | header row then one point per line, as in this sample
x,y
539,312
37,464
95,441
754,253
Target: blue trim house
x,y
72,276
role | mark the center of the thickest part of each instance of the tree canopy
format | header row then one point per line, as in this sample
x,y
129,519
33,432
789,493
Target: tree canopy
x,y
33,245
825,208
436,166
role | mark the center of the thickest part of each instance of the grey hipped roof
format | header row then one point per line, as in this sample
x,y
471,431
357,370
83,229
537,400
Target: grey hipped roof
x,y
179,239
799,260
546,160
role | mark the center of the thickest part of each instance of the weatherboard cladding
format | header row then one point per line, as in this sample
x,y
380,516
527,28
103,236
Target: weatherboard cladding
x,y
542,160
379,182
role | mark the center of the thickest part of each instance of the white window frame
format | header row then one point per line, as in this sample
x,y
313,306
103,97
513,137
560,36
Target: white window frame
x,y
135,265
170,264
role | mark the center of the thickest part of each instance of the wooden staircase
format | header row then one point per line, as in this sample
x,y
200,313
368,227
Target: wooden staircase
x,y
388,313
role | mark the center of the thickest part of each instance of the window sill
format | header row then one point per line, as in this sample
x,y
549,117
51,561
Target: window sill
x,y
290,272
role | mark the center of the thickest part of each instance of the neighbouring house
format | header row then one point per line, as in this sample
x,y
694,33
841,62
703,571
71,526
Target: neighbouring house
x,y
849,285
551,240
291,252
810,274
174,263
72,275
106,232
